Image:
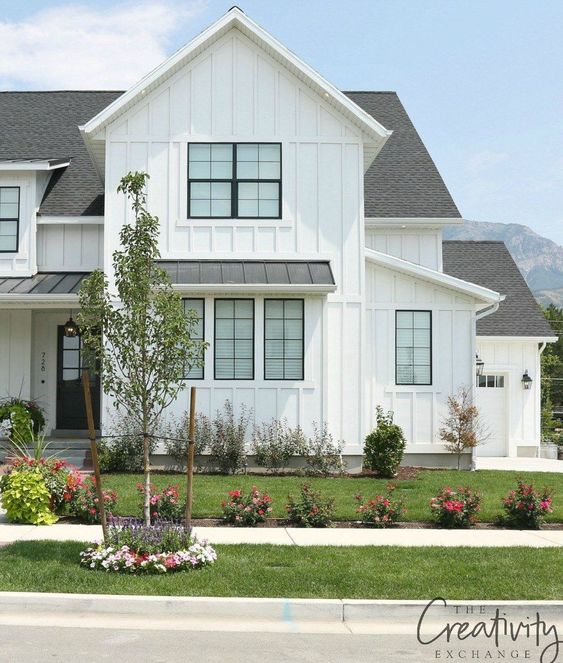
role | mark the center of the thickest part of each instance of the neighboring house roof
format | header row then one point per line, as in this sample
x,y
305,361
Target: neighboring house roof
x,y
403,181
44,126
490,264
249,272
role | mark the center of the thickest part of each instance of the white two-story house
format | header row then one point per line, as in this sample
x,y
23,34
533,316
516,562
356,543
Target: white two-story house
x,y
303,223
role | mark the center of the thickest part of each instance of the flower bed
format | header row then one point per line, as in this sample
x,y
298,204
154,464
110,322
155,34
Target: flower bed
x,y
160,548
382,510
125,560
246,510
456,508
525,507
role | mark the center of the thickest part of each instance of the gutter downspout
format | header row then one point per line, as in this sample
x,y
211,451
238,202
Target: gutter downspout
x,y
483,314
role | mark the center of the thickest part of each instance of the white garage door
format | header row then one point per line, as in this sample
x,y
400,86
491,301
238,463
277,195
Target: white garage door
x,y
491,401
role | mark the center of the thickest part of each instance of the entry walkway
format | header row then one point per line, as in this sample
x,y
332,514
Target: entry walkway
x,y
519,464
310,537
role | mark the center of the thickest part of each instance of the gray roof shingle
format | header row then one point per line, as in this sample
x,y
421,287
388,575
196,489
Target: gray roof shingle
x,y
489,264
44,125
403,181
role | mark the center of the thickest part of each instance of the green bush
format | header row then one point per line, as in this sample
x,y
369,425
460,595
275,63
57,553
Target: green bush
x,y
22,418
322,454
384,447
275,443
310,508
525,507
177,434
122,449
227,445
26,498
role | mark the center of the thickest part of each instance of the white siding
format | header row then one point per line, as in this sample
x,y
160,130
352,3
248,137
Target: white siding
x,y
418,245
231,92
418,409
69,247
15,353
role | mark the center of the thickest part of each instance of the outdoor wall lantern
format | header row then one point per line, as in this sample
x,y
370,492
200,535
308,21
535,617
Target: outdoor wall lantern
x,y
71,328
526,380
479,365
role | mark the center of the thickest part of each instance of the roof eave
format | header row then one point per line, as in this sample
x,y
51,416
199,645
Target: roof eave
x,y
237,18
439,278
31,165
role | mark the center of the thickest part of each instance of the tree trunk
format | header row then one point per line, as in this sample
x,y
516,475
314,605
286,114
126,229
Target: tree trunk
x,y
458,461
147,471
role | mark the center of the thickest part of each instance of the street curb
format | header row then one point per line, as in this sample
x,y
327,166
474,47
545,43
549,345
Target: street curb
x,y
383,613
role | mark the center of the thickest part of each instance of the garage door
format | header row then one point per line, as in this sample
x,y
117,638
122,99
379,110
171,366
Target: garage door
x,y
491,401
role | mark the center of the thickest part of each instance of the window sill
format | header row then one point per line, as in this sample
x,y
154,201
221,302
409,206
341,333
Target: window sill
x,y
239,223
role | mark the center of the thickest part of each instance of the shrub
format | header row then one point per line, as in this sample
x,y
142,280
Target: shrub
x,y
310,508
135,548
121,448
177,444
525,507
384,447
246,510
26,498
165,504
84,501
454,509
275,443
322,454
380,511
227,445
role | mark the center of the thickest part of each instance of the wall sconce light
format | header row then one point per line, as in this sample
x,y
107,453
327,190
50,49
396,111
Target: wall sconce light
x,y
479,365
526,380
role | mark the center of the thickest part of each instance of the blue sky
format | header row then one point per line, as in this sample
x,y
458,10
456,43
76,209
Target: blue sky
x,y
481,79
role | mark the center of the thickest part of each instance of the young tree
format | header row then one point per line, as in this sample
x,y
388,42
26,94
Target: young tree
x,y
139,335
462,428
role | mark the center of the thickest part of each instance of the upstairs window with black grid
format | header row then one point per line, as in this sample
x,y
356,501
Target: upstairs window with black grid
x,y
413,347
283,339
9,218
234,180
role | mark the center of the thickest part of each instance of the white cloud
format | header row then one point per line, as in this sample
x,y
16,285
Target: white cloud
x,y
482,161
77,47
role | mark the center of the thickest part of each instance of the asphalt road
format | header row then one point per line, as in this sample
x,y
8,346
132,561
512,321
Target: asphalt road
x,y
30,644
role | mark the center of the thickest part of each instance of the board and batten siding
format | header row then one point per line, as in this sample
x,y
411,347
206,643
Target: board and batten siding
x,y
418,409
15,353
421,246
236,92
70,247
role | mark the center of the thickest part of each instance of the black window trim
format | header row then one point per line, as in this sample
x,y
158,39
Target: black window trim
x,y
234,299
415,384
201,299
284,379
18,187
234,181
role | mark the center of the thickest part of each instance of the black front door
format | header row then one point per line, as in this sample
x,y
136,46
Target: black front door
x,y
71,411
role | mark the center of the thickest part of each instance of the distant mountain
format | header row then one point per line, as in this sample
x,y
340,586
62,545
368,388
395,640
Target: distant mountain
x,y
539,259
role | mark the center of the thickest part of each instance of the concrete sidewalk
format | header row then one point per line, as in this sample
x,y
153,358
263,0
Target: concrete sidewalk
x,y
311,537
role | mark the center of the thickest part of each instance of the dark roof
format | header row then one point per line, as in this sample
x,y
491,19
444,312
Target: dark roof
x,y
44,125
403,181
489,264
248,272
43,283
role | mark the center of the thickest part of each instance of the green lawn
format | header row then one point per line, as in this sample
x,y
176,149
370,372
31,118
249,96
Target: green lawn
x,y
210,490
290,571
